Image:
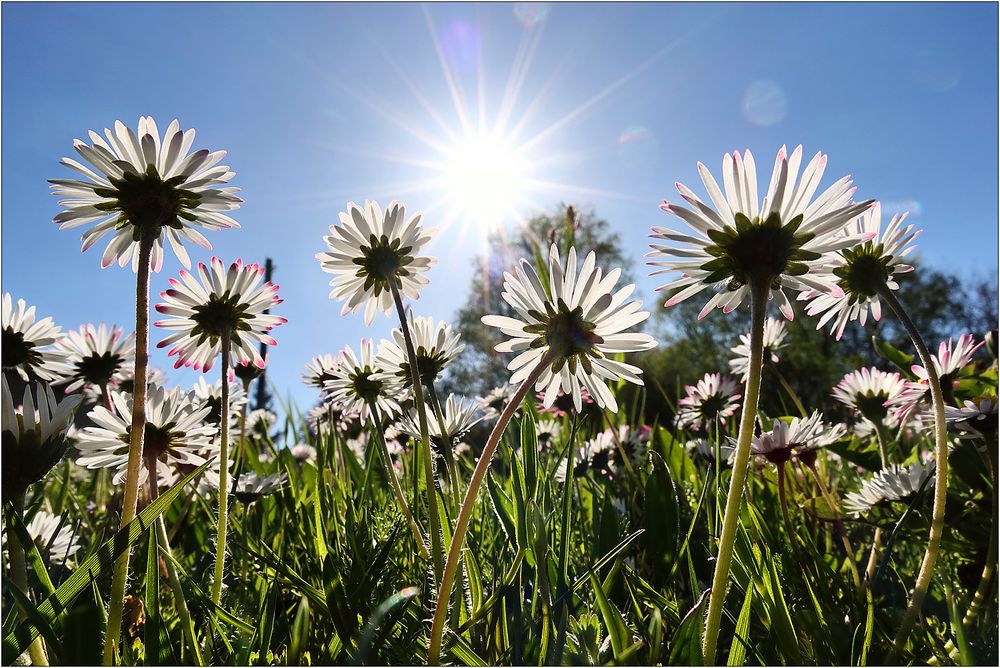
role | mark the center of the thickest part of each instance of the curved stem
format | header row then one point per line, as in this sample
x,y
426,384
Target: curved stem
x,y
838,525
720,580
220,539
940,479
446,445
883,449
465,513
136,435
394,482
437,546
241,445
19,575
175,582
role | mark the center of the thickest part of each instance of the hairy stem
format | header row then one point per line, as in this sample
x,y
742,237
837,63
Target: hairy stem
x,y
19,575
437,547
940,479
220,539
394,482
727,541
136,434
465,513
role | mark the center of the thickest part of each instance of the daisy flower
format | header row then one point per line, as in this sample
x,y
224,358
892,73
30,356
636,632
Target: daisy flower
x,y
34,435
210,395
216,303
261,420
781,240
797,436
978,416
435,346
322,416
714,397
563,403
496,399
53,536
176,432
360,381
95,356
372,251
868,391
774,337
892,484
247,373
139,183
460,415
251,487
303,453
25,340
575,321
320,369
124,381
863,270
547,431
950,361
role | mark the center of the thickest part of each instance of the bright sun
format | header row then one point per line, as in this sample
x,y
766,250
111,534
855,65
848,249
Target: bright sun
x,y
485,177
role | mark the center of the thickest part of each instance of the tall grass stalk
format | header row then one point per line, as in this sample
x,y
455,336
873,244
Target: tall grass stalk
x,y
220,538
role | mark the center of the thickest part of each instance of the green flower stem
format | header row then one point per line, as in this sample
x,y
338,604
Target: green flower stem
x,y
788,389
242,443
136,434
446,445
758,309
19,575
175,582
394,482
465,513
220,539
437,546
940,478
838,525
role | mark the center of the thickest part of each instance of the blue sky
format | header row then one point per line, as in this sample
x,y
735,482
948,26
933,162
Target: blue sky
x,y
321,104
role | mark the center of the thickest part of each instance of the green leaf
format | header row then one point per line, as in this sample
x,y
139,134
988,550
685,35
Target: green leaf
x,y
529,452
300,633
151,637
661,515
16,640
503,507
463,651
738,651
685,649
781,619
400,598
621,639
899,359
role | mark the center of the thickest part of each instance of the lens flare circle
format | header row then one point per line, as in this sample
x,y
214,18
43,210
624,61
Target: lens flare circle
x,y
764,103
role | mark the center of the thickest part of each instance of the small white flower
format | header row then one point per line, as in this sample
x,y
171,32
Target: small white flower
x,y
862,270
895,483
137,182
460,415
176,433
798,435
326,414
219,301
25,342
580,320
371,250
949,361
973,415
714,397
54,536
261,420
251,487
784,239
774,337
496,399
95,356
124,381
210,395
705,449
868,391
34,434
303,453
320,369
435,346
360,380
547,431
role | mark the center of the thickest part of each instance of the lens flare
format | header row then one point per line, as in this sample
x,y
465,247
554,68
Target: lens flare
x,y
485,176
530,14
764,103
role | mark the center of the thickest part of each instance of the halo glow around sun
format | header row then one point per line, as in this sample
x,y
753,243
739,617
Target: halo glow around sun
x,y
485,177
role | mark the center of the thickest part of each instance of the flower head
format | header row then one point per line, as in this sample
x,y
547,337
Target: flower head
x,y
176,433
138,183
359,381
798,436
895,483
949,362
435,346
95,356
261,421
54,536
781,240
867,391
576,320
774,337
714,397
372,250
216,303
33,435
460,415
862,270
303,453
547,431
320,369
328,414
978,416
25,340
252,487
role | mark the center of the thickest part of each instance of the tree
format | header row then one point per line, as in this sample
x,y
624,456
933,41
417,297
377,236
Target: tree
x,y
480,368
